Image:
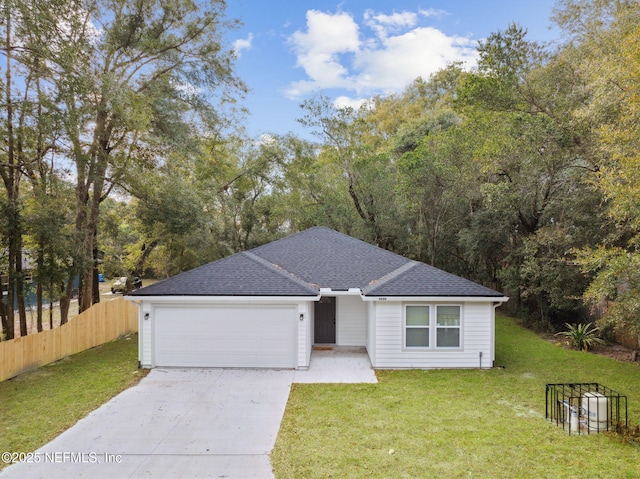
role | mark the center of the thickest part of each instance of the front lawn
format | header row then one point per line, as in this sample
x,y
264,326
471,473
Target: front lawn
x,y
37,406
457,423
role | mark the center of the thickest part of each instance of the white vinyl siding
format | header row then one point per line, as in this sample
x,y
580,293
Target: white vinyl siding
x,y
351,321
304,334
371,331
476,336
145,341
260,336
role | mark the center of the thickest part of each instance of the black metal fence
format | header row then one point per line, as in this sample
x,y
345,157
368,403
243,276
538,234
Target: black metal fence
x,y
584,408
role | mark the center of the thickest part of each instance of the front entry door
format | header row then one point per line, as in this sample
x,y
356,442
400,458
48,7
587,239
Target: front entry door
x,y
325,320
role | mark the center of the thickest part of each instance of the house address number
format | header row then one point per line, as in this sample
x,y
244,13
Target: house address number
x,y
382,299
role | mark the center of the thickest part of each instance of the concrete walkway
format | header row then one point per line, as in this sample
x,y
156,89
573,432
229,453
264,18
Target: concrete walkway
x,y
187,423
338,364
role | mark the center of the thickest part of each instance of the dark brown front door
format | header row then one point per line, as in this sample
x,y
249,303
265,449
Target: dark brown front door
x,y
325,320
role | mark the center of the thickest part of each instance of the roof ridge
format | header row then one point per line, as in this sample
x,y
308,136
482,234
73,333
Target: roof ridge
x,y
333,231
289,236
279,270
410,264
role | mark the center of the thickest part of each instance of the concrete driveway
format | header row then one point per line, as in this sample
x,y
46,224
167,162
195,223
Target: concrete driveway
x,y
188,423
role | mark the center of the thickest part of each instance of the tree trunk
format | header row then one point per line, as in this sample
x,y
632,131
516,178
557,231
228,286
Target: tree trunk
x,y
11,288
39,287
8,175
22,312
3,313
94,278
146,252
51,286
65,299
90,194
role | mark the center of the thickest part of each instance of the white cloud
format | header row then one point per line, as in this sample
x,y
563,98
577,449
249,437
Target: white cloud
x,y
242,44
401,59
335,52
318,50
383,24
432,12
346,102
267,140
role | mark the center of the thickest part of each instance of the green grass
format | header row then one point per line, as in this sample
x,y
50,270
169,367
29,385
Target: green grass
x,y
35,407
457,423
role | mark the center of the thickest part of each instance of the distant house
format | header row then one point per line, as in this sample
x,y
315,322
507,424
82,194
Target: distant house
x,y
268,307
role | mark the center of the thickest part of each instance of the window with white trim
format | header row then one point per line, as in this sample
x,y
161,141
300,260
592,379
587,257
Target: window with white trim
x,y
432,326
447,326
417,322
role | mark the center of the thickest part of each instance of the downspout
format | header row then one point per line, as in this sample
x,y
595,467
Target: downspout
x,y
493,342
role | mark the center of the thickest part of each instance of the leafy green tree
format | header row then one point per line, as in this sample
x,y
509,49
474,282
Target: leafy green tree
x,y
120,87
367,173
535,158
310,190
30,124
604,48
49,239
431,182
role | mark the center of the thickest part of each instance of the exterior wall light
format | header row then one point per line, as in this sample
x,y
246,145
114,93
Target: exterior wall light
x,y
301,316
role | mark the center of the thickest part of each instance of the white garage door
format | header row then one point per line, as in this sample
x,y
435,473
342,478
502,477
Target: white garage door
x,y
257,336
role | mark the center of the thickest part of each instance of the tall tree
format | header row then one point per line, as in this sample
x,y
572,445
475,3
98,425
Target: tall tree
x,y
30,130
431,182
536,158
118,63
367,172
604,42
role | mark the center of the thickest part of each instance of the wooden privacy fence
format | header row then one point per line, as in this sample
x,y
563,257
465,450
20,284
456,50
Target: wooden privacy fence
x,y
99,324
628,338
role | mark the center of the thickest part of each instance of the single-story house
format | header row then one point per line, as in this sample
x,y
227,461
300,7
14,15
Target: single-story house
x,y
268,307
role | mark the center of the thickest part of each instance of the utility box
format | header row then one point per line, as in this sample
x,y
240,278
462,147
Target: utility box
x,y
595,408
583,408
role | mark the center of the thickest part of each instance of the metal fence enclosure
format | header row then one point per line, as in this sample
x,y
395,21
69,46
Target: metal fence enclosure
x,y
585,408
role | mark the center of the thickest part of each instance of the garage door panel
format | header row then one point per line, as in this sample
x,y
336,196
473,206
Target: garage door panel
x,y
226,336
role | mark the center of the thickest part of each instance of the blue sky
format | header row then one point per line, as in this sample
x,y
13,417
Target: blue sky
x,y
288,51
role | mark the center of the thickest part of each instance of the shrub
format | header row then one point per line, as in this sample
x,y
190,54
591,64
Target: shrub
x,y
581,336
629,434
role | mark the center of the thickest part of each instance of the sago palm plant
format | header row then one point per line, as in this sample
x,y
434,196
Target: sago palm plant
x,y
581,336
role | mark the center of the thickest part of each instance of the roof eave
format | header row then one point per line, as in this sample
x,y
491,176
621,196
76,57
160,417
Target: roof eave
x,y
478,299
219,299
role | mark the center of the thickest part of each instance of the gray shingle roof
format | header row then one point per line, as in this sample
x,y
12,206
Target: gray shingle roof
x,y
237,275
330,259
301,264
425,280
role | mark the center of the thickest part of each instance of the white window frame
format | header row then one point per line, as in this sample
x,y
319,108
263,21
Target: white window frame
x,y
437,327
433,328
405,327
